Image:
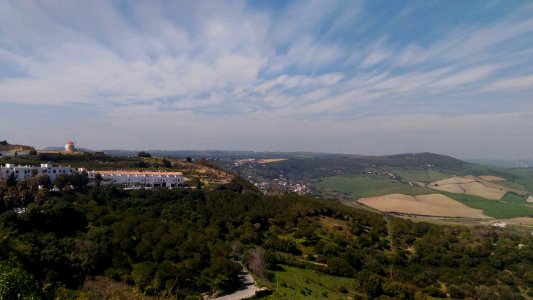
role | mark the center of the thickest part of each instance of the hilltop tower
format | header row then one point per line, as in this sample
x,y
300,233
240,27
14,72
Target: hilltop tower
x,y
69,146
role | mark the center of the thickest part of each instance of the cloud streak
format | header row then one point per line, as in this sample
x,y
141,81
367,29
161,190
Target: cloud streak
x,y
306,62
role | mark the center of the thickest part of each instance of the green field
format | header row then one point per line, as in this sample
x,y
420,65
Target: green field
x,y
516,199
423,175
509,208
295,283
522,177
359,186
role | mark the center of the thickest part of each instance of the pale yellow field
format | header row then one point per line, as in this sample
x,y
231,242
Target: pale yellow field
x,y
491,178
270,160
471,185
427,205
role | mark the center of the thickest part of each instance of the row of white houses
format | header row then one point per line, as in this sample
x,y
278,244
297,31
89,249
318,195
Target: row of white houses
x,y
24,172
125,178
128,178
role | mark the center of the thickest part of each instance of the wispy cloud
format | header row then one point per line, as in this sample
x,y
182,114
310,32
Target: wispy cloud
x,y
306,62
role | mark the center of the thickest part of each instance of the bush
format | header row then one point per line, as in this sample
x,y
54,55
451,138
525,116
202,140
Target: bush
x,y
16,283
144,154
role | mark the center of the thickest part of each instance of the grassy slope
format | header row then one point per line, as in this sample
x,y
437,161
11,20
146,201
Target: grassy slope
x,y
516,177
369,186
524,178
509,184
423,175
295,283
516,199
496,209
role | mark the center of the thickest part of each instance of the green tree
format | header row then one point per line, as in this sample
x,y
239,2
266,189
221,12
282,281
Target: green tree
x,y
369,283
44,181
11,180
142,274
167,163
16,283
144,154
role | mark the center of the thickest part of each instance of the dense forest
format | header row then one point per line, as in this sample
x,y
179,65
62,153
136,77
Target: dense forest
x,y
181,243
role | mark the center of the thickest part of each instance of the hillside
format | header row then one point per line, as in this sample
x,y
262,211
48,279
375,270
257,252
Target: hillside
x,y
498,192
181,244
5,146
202,170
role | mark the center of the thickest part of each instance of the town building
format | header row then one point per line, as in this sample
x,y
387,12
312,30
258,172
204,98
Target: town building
x,y
26,172
126,178
129,178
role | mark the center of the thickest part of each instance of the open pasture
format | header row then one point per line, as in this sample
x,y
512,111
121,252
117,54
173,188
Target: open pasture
x,y
270,160
495,209
359,186
472,185
491,178
296,283
426,205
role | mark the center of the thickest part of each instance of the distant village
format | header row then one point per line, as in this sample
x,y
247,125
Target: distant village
x,y
281,184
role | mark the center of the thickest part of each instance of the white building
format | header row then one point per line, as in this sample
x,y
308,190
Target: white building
x,y
499,224
69,146
129,178
25,172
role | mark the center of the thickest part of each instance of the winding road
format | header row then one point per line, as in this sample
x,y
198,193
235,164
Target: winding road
x,y
248,288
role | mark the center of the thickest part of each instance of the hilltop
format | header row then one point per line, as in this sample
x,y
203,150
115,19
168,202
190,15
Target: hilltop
x,y
202,170
5,147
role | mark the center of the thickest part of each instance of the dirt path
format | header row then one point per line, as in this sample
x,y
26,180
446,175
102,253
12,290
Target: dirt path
x,y
313,262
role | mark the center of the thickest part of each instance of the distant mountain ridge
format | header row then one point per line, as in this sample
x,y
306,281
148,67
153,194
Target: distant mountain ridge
x,y
430,157
516,163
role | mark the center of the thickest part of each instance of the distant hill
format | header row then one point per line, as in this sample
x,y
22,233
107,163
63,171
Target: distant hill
x,y
424,159
5,146
63,148
517,163
213,154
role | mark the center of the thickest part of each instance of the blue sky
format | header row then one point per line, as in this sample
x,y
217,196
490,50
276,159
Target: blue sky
x,y
368,77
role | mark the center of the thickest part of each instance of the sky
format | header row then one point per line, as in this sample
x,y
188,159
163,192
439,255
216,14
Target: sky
x,y
364,77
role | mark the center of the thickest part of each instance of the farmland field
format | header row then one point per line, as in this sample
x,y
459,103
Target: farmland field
x,y
495,209
423,175
427,205
359,186
472,185
511,185
516,199
524,178
296,283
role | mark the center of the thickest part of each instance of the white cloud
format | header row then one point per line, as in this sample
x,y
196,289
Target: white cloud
x,y
220,65
515,83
